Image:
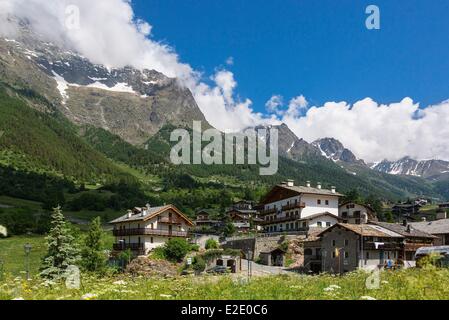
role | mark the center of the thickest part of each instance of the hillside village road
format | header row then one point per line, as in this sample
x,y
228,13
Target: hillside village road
x,y
262,270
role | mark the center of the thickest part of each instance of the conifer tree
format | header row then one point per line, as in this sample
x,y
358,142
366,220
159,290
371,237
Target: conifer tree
x,y
93,257
62,249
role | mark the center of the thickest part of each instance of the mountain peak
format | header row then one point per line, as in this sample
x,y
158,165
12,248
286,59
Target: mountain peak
x,y
334,150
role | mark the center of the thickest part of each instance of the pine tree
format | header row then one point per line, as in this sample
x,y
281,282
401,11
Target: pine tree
x,y
93,258
62,249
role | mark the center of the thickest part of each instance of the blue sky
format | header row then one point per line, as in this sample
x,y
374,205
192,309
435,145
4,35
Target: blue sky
x,y
320,49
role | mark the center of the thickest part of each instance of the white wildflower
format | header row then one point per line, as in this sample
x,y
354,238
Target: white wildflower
x,y
166,296
19,298
367,298
89,296
332,287
120,283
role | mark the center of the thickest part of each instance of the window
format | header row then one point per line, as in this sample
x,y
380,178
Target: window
x,y
327,202
346,243
151,240
318,202
328,224
319,223
308,252
344,214
367,255
334,254
334,243
304,224
346,255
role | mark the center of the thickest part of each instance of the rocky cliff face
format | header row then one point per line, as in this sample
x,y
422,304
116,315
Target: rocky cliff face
x,y
131,103
411,167
335,151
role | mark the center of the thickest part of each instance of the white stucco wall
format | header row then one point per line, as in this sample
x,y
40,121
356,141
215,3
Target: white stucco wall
x,y
325,220
311,201
363,213
151,241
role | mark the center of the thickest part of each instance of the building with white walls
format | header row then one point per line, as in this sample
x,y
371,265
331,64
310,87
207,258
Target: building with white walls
x,y
287,208
144,229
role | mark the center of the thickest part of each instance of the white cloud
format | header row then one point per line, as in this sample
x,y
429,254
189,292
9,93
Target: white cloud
x,y
274,104
297,106
109,34
374,131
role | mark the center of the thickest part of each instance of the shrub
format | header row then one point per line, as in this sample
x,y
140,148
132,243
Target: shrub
x,y
176,249
194,247
211,244
158,254
199,265
229,230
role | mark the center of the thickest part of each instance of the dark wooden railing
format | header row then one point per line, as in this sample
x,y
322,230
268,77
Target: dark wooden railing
x,y
267,211
169,220
131,246
293,206
149,232
280,220
385,246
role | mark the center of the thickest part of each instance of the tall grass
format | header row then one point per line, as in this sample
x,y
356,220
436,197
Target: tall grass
x,y
410,284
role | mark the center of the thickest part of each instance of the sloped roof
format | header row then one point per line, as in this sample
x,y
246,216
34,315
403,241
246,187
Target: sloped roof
x,y
310,190
151,213
433,227
404,230
297,190
317,215
366,230
366,206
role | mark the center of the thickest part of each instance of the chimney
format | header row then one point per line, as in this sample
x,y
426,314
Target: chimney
x,y
319,185
290,183
424,219
283,183
334,189
404,223
148,206
308,184
129,214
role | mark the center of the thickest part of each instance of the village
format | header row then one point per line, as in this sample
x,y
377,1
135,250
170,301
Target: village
x,y
297,229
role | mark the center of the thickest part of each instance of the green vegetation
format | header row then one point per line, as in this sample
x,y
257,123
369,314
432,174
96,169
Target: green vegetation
x,y
176,249
92,254
409,284
211,244
62,249
12,254
45,143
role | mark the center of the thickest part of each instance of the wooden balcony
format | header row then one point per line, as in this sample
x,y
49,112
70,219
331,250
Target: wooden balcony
x,y
294,206
267,211
391,246
168,220
292,218
415,246
131,246
148,232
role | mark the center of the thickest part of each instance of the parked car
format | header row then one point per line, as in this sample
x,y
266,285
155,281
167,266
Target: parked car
x,y
218,269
